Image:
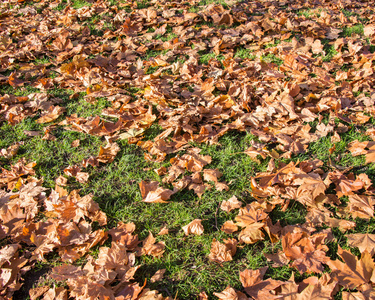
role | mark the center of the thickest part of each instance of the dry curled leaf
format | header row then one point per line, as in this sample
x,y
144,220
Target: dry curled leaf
x,y
223,252
229,227
194,227
158,275
230,204
152,193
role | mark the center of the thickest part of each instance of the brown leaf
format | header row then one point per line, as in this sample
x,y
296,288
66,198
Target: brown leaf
x,y
228,294
108,153
279,259
37,292
163,231
222,252
211,175
353,272
10,151
56,293
229,227
150,247
61,181
251,233
249,215
194,227
152,193
364,242
158,275
361,206
122,234
230,204
255,286
202,296
51,114
75,143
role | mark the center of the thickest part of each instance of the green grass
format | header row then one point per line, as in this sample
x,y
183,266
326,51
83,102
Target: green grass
x,y
272,58
205,58
76,4
330,53
355,29
244,53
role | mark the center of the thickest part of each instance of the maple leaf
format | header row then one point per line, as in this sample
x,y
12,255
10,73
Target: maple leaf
x,y
229,227
122,234
163,231
323,216
222,252
364,242
10,151
150,247
353,272
230,204
249,215
255,286
51,114
305,250
37,292
211,175
230,294
315,289
251,233
152,193
361,206
57,293
194,227
107,153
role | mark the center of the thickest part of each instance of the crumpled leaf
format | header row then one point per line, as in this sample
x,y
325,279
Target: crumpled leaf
x,y
194,227
152,193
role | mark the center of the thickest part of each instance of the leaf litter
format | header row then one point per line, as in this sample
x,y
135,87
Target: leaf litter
x,y
271,71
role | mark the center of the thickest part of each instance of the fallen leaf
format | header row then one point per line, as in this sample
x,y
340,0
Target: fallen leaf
x,y
152,193
158,275
222,252
194,227
229,227
230,204
364,242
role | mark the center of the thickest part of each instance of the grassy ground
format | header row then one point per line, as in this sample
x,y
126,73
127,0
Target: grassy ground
x,y
115,185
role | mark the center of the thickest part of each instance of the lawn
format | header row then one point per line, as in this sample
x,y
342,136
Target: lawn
x,y
187,150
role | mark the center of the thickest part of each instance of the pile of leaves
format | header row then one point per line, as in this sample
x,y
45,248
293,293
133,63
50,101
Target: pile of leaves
x,y
263,67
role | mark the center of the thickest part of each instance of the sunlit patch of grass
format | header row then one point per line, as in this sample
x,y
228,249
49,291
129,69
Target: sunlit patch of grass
x,y
330,53
76,4
355,29
244,53
272,58
205,58
20,91
143,4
